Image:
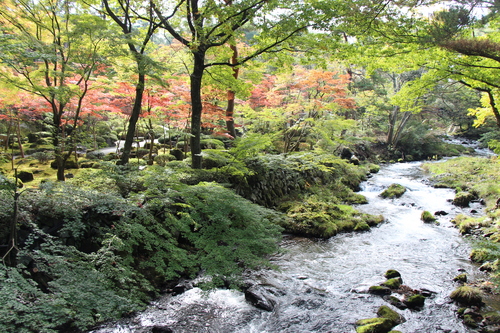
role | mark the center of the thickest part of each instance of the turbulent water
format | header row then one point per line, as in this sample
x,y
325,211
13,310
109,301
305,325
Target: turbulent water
x,y
321,285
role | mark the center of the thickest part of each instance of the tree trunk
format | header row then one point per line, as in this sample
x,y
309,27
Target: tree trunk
x,y
231,96
19,140
494,107
10,256
393,116
196,108
134,117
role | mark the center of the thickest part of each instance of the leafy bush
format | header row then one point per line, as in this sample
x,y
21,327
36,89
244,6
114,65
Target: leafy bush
x,y
228,232
43,157
76,295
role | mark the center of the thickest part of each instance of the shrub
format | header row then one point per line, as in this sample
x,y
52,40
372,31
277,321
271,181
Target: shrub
x,y
228,231
43,157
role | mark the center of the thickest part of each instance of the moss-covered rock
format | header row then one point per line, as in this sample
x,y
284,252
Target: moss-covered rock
x,y
460,278
467,295
392,273
374,325
463,199
393,191
393,283
427,217
379,290
415,301
362,226
386,312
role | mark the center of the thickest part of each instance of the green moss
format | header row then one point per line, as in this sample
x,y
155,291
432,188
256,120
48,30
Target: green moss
x,y
362,226
374,168
461,278
467,295
415,301
466,224
386,312
379,290
462,199
393,191
317,218
427,217
469,321
393,283
374,325
471,174
392,273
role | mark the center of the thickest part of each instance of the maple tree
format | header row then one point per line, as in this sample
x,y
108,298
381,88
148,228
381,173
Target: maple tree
x,y
292,102
52,53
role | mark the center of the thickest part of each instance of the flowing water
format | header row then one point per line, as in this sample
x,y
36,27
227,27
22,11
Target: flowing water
x,y
321,285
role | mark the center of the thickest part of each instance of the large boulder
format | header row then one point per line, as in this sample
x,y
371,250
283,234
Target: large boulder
x,y
25,176
260,297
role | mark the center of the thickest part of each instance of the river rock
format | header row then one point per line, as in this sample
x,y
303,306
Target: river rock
x,y
393,283
393,300
379,290
260,297
414,302
386,312
393,191
392,273
374,325
463,199
181,287
161,329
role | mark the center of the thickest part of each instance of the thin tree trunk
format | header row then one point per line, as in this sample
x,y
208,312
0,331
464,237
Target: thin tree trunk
x,y
197,108
134,117
19,139
231,95
10,257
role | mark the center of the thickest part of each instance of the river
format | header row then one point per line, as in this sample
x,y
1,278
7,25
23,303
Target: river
x,y
321,285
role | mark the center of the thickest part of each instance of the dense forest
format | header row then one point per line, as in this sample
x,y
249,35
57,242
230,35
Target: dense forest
x,y
144,142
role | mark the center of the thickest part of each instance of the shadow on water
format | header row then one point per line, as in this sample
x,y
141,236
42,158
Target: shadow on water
x,y
321,285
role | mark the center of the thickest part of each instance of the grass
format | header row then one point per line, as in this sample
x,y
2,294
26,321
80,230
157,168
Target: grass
x,y
474,174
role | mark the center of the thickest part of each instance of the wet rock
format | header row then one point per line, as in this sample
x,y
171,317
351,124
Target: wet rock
x,y
427,293
161,329
181,287
394,301
260,297
440,213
